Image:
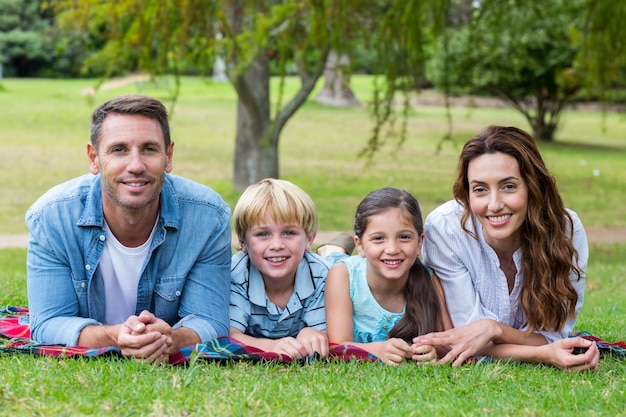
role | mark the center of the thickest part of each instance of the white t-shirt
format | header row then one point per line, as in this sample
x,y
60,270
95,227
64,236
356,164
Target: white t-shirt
x,y
120,268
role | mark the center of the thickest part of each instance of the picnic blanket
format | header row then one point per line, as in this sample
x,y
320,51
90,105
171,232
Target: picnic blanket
x,y
15,338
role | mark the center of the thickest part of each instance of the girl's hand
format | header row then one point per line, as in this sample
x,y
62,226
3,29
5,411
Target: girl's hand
x,y
394,351
424,353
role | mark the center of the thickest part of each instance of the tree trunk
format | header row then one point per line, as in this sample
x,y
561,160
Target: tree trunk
x,y
336,90
256,151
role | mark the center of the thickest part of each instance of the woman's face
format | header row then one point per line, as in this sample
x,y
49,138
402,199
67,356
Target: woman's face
x,y
498,197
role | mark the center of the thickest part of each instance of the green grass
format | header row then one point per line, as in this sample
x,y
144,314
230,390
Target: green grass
x,y
44,125
118,387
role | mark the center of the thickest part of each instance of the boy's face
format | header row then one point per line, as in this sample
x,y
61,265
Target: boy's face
x,y
276,249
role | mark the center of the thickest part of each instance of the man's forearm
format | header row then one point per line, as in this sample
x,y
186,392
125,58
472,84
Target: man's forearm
x,y
181,337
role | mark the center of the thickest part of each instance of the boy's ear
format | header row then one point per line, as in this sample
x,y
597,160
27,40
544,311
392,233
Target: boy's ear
x,y
242,246
310,241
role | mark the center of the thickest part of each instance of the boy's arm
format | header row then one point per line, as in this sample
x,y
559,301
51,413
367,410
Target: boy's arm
x,y
284,346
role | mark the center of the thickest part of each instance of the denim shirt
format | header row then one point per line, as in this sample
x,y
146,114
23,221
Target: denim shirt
x,y
185,280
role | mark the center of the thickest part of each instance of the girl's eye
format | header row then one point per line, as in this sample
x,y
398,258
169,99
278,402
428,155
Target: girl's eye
x,y
509,187
405,237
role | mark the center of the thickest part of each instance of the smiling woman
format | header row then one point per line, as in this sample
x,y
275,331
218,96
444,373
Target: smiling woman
x,y
511,258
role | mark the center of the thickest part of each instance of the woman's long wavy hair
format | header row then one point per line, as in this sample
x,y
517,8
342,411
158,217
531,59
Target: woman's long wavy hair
x,y
423,314
548,297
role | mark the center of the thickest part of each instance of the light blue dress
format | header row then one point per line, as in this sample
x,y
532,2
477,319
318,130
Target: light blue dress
x,y
371,322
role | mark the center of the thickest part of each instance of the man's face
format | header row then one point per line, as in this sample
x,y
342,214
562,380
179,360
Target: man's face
x,y
132,160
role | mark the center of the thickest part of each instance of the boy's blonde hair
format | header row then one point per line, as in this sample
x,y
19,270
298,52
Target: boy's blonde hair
x,y
281,200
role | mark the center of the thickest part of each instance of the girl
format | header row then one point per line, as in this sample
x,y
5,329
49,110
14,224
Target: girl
x,y
384,296
510,257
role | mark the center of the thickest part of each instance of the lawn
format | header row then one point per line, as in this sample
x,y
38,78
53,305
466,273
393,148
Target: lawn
x,y
44,125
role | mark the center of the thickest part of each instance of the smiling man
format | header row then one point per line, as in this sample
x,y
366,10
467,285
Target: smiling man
x,y
129,256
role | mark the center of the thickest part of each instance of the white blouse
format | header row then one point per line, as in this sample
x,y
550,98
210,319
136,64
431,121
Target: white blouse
x,y
474,285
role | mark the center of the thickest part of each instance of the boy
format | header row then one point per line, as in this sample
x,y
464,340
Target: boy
x,y
277,284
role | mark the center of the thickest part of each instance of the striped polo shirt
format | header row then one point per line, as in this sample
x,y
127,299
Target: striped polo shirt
x,y
252,312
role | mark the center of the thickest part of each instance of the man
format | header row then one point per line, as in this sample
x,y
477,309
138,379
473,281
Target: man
x,y
130,256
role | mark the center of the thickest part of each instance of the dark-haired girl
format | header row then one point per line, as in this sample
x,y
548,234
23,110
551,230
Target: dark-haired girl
x,y
383,297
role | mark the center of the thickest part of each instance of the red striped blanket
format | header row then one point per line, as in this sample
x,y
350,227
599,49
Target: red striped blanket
x,y
15,338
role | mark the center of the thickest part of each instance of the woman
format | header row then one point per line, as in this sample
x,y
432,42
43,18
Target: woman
x,y
511,258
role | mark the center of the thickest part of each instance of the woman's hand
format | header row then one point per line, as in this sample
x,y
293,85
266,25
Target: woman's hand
x,y
562,354
463,342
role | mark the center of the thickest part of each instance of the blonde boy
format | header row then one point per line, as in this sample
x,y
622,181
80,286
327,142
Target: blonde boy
x,y
277,284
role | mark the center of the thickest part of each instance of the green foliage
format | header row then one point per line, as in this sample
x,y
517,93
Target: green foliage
x,y
24,47
603,56
521,51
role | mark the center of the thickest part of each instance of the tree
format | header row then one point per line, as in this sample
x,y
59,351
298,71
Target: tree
x,y
24,48
253,33
521,51
336,90
603,54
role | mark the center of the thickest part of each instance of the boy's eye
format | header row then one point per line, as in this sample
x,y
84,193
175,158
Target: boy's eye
x,y
261,234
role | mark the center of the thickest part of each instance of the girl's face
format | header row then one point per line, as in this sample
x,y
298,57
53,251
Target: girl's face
x,y
498,197
391,245
276,249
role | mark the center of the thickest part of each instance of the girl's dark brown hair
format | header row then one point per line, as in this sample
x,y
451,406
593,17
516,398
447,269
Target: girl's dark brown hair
x,y
548,297
423,313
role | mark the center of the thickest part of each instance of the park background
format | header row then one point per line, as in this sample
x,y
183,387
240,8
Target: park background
x,y
44,125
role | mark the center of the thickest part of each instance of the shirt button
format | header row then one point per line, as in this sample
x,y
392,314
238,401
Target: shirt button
x,y
82,285
385,326
102,237
88,267
388,318
177,293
